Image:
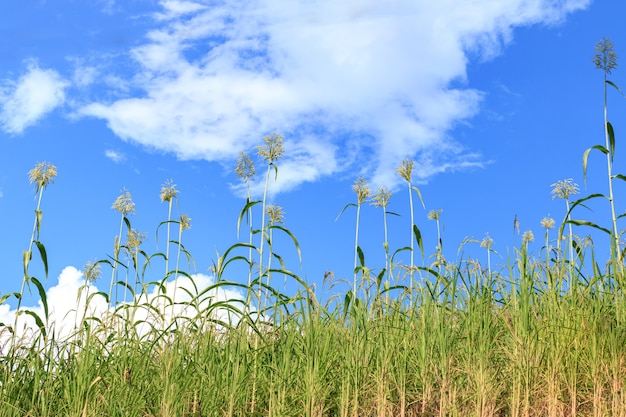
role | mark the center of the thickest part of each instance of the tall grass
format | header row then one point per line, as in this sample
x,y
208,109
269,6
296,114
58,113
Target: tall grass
x,y
542,335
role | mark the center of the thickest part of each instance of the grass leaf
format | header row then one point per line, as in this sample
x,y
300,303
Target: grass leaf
x,y
293,239
43,255
418,239
38,321
611,132
419,194
588,223
344,209
42,296
127,223
361,256
245,211
612,84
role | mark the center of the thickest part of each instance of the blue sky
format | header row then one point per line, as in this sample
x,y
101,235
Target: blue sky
x,y
494,101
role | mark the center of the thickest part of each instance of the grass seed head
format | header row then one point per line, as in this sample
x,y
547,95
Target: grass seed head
x,y
587,242
124,203
185,222
547,223
564,189
116,246
275,213
486,242
605,57
440,260
168,191
361,189
273,148
91,271
516,225
528,236
406,169
382,197
245,167
434,214
42,175
135,239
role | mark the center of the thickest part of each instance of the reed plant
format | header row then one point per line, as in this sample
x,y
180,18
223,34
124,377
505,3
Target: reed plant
x,y
246,170
405,170
42,175
363,193
126,207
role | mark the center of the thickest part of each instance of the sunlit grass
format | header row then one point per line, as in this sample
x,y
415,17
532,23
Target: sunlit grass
x,y
542,335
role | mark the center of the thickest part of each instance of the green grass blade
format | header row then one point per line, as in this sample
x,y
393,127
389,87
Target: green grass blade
x,y
397,251
293,239
98,293
344,209
128,287
585,160
38,215
42,296
361,256
43,255
38,321
418,239
244,212
586,157
127,222
611,132
26,257
612,84
164,222
419,194
588,223
7,296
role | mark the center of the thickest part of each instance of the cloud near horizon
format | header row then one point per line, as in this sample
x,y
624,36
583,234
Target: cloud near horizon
x,y
66,304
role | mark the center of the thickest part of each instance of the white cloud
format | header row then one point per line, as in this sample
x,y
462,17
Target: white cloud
x,y
24,102
115,156
186,306
67,300
174,9
84,75
63,305
353,85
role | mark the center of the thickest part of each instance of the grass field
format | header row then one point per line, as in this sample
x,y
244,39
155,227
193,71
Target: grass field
x,y
543,336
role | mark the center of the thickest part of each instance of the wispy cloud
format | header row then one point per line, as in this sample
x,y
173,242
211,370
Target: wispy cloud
x,y
108,6
173,9
25,101
115,156
355,86
84,75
